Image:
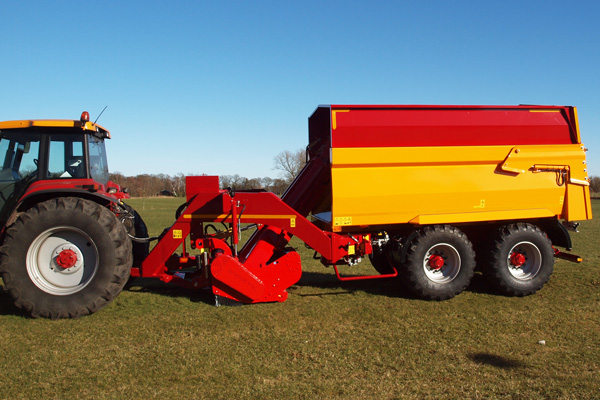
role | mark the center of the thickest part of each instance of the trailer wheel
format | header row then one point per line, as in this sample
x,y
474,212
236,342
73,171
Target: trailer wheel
x,y
380,261
440,263
65,258
521,260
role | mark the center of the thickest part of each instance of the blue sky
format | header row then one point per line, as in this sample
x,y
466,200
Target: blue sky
x,y
221,87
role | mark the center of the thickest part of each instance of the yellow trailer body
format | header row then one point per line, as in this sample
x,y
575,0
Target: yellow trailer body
x,y
426,165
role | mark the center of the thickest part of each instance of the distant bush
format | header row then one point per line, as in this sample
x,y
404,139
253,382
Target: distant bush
x,y
146,185
595,186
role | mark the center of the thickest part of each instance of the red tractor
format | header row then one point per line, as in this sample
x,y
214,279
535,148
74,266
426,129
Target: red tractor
x,y
63,219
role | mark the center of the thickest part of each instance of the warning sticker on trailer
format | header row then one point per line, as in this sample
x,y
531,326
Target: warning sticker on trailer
x,y
177,234
342,221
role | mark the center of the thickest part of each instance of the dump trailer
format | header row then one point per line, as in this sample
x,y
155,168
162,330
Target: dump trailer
x,y
427,193
420,190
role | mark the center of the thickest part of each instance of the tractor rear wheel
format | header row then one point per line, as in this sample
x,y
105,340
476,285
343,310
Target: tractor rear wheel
x,y
521,260
440,263
65,258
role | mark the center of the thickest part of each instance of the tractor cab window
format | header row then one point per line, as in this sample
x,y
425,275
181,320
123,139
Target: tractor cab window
x,y
98,161
19,155
65,156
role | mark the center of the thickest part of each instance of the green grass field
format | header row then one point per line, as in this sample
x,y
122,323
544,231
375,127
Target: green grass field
x,y
329,340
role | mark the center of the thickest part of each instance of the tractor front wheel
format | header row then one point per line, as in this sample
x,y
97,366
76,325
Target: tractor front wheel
x,y
65,258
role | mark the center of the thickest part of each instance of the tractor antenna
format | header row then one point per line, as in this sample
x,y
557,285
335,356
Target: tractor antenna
x,y
99,115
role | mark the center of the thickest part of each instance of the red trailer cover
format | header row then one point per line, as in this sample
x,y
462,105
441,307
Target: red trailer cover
x,y
419,126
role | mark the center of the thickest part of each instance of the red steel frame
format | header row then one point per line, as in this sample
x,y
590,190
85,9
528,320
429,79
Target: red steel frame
x,y
264,267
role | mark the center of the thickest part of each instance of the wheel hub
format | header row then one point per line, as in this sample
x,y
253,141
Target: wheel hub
x,y
436,261
524,261
66,259
441,263
517,259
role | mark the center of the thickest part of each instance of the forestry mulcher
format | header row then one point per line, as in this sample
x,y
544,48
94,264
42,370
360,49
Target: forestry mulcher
x,y
421,190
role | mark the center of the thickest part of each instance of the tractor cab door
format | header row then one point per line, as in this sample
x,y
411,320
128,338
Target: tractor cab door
x,y
66,158
19,155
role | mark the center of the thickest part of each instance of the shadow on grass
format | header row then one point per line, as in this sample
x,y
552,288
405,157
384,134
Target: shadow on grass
x,y
326,282
156,286
480,285
389,287
321,280
7,307
495,361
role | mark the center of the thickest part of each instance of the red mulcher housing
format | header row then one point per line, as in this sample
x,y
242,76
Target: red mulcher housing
x,y
265,267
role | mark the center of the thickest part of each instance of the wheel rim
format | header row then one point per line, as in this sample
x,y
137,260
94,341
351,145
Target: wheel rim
x,y
441,263
524,260
62,260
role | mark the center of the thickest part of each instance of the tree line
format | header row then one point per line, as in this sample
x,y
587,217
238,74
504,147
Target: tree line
x,y
288,163
595,185
146,185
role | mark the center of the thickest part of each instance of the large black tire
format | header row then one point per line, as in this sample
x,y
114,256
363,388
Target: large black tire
x,y
65,258
440,263
380,261
137,228
520,261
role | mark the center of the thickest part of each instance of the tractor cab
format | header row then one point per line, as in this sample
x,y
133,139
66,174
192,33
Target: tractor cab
x,y
43,156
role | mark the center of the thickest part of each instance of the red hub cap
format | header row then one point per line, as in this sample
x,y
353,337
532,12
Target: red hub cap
x,y
517,259
66,259
436,261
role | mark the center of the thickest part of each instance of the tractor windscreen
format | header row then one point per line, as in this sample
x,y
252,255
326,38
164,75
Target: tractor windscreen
x,y
98,161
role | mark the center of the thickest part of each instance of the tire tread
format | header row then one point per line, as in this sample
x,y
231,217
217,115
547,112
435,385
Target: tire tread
x,y
114,231
411,269
494,266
